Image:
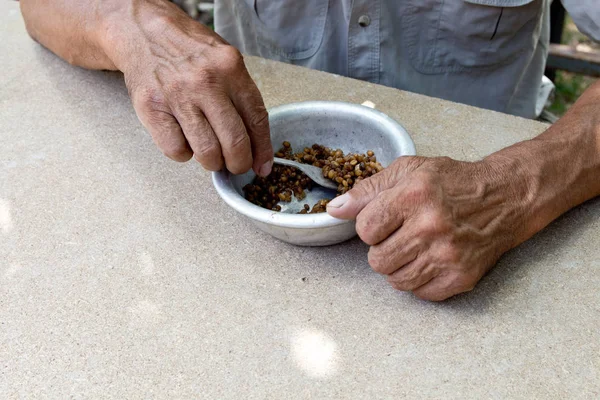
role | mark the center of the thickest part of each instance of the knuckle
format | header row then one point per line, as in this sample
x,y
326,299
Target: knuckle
x,y
463,283
424,183
444,160
467,287
437,217
403,285
231,60
451,254
458,282
409,163
236,144
178,152
208,150
259,120
378,261
377,265
434,223
399,286
148,100
437,294
431,296
412,275
239,142
188,115
364,229
407,278
420,242
160,123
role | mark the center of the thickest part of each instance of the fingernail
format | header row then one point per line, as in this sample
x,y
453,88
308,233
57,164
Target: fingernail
x,y
338,202
266,168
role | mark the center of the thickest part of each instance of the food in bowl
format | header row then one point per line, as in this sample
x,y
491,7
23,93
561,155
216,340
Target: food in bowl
x,y
287,183
352,127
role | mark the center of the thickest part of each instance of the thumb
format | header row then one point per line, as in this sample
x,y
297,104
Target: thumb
x,y
349,205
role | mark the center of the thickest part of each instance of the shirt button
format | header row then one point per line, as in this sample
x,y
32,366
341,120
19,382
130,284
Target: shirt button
x,y
364,21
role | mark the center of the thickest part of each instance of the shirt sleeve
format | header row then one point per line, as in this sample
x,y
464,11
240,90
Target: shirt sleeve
x,y
586,15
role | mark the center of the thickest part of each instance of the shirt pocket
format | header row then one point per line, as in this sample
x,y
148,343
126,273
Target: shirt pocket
x,y
469,35
288,29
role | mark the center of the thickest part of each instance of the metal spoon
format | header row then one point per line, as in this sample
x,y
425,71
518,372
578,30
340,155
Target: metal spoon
x,y
314,173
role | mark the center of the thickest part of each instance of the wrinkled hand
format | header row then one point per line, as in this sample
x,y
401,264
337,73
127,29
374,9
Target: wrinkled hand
x,y
435,225
192,92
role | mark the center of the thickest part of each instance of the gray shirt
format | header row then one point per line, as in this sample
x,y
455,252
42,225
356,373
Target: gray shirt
x,y
486,53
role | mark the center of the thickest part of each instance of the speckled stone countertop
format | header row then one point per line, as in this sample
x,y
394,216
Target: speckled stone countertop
x,y
123,275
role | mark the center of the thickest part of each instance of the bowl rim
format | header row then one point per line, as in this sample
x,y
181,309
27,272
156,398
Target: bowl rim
x,y
222,179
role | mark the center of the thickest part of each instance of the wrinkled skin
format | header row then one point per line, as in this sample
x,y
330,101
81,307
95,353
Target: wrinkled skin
x,y
432,228
189,87
435,225
193,93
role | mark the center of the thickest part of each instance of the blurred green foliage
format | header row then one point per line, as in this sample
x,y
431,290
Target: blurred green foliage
x,y
570,86
568,89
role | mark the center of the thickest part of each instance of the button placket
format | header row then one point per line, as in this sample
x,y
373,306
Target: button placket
x,y
364,40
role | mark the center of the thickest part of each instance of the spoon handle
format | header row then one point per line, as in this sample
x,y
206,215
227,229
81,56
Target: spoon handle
x,y
314,173
289,163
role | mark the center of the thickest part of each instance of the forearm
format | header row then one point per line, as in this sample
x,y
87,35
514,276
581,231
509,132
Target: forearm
x,y
559,169
69,28
98,34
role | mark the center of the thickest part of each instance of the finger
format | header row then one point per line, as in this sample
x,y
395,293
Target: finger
x,y
349,205
201,137
248,101
413,275
445,286
382,216
231,132
401,248
436,289
166,134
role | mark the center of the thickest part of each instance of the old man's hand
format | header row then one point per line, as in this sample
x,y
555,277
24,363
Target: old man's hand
x,y
435,225
190,89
